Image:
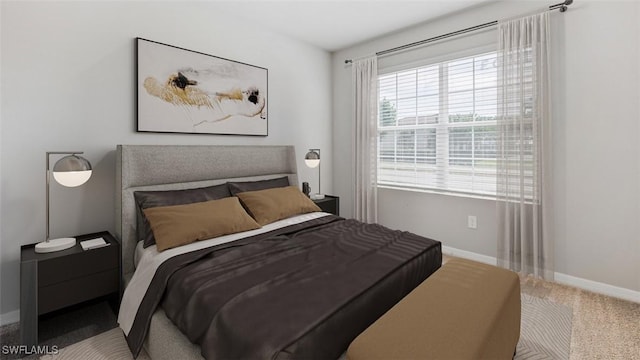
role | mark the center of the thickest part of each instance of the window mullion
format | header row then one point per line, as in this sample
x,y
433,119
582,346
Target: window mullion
x,y
442,132
395,133
473,126
415,135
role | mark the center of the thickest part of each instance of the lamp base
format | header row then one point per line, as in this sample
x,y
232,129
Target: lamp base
x,y
54,245
316,196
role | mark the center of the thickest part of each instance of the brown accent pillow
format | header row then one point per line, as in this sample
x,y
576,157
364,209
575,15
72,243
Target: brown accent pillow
x,y
179,225
150,199
267,206
238,187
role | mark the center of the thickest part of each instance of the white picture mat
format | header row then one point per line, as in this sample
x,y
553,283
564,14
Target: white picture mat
x,y
214,75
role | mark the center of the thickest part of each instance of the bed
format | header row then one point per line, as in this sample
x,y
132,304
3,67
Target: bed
x,y
300,287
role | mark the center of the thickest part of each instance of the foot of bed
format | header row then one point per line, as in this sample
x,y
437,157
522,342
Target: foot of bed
x,y
465,310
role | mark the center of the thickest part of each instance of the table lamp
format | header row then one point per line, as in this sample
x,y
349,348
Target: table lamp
x,y
312,160
70,171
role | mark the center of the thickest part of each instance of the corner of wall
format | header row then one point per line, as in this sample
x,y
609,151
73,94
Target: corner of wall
x,y
10,318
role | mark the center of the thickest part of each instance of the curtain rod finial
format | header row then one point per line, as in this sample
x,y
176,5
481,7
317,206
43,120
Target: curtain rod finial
x,y
348,61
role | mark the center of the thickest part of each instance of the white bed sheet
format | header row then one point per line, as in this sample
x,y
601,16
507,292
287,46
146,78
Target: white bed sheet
x,y
150,259
137,254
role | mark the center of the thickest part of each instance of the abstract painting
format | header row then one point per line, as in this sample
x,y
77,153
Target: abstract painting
x,y
184,91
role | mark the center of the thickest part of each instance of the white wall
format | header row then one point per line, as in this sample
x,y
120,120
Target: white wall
x,y
68,84
595,80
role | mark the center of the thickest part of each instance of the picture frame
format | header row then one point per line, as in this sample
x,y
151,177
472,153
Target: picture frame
x,y
185,91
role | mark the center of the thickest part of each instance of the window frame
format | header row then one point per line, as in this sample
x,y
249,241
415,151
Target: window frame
x,y
442,153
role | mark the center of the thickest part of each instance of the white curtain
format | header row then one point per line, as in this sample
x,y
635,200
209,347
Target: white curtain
x,y
364,80
525,241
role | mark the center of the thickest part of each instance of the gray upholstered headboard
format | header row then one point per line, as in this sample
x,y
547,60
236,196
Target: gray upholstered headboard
x,y
172,167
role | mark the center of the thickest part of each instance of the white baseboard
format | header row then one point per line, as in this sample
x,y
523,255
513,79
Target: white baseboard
x,y
560,278
598,287
10,317
469,255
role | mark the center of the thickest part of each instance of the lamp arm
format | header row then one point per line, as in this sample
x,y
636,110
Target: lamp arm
x,y
319,172
319,192
48,181
48,176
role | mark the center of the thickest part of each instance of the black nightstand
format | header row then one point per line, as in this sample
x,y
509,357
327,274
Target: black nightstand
x,y
330,204
52,281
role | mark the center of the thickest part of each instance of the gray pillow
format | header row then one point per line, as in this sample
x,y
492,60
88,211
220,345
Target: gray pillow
x,y
150,199
238,187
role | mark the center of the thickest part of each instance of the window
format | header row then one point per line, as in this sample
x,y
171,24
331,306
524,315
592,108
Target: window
x,y
437,126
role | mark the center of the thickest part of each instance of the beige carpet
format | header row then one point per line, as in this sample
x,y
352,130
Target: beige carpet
x,y
109,345
603,327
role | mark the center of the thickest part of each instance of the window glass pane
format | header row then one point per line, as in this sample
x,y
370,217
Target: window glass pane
x,y
460,75
461,106
407,84
486,104
387,113
428,81
428,109
460,146
484,145
387,86
405,146
386,145
407,111
486,71
426,146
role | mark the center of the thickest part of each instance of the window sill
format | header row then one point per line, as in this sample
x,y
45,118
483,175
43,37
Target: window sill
x,y
438,192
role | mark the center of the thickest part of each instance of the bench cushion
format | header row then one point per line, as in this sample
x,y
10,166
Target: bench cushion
x,y
465,310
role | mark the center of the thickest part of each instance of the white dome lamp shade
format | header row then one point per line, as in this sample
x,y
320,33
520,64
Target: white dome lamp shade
x,y
312,160
70,171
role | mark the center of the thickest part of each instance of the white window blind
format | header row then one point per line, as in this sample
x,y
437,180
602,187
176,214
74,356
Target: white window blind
x,y
437,126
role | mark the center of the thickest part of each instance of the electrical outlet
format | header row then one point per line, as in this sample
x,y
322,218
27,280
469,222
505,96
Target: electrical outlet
x,y
472,222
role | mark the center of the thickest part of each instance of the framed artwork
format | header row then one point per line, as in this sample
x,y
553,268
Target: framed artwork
x,y
184,91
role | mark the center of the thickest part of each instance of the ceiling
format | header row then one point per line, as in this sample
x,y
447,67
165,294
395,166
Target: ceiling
x,y
334,25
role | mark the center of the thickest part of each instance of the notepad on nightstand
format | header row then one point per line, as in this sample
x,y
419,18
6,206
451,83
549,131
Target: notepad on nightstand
x,y
93,244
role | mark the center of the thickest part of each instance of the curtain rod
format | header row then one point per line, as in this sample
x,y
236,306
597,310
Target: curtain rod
x,y
561,6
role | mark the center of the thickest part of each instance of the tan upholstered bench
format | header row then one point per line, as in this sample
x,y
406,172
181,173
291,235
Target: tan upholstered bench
x,y
465,310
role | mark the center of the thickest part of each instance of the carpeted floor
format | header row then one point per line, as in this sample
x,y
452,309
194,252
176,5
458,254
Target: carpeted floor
x,y
109,345
602,327
64,328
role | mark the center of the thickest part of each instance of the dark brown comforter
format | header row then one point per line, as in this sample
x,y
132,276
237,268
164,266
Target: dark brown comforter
x,y
304,291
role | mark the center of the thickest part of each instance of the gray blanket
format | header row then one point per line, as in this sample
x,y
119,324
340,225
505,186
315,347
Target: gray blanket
x,y
304,291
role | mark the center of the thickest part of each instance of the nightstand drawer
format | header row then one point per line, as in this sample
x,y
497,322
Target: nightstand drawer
x,y
77,265
75,291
